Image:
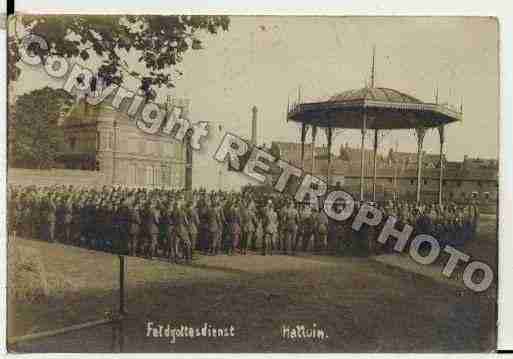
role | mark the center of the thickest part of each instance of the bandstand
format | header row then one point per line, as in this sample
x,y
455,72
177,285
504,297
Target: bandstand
x,y
374,109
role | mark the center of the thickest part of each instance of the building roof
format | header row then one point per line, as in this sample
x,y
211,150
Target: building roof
x,y
377,107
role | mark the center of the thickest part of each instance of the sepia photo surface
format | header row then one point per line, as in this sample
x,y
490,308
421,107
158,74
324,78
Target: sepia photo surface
x,y
216,183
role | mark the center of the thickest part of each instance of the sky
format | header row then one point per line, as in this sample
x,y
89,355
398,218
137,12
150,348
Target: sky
x,y
263,60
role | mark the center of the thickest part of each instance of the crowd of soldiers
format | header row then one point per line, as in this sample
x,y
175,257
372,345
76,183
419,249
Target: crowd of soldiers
x,y
174,224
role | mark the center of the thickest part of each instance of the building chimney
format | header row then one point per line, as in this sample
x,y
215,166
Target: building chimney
x,y
254,126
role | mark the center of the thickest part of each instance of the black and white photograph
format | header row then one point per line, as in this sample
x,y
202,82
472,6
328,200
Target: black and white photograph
x,y
252,184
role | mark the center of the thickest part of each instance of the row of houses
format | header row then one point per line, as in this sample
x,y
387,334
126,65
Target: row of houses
x,y
472,178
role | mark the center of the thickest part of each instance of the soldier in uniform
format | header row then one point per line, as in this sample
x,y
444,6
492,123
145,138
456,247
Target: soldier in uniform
x,y
322,230
164,225
291,224
67,209
59,220
221,219
307,228
338,230
233,219
255,236
475,218
259,231
75,221
134,219
247,227
281,233
194,223
84,218
33,215
123,230
151,229
181,230
203,212
50,219
102,225
271,229
214,228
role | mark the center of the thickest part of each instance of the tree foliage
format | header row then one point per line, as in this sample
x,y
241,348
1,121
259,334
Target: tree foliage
x,y
38,135
158,41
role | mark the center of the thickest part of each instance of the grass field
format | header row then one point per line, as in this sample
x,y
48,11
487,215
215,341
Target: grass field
x,y
362,305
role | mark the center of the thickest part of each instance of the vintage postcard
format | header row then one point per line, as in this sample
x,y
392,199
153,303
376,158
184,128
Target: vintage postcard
x,y
187,183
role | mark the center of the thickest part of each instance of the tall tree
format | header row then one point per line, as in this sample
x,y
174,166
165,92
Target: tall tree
x,y
38,135
158,41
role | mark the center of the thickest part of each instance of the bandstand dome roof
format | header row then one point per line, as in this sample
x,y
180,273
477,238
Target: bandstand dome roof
x,y
382,108
375,94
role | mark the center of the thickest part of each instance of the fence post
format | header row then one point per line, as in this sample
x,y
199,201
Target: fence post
x,y
122,267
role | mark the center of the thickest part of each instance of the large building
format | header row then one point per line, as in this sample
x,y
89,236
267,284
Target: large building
x,y
397,172
100,138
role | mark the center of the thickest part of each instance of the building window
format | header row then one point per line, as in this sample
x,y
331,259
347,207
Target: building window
x,y
165,177
111,140
425,181
141,176
149,176
156,177
412,182
173,177
133,175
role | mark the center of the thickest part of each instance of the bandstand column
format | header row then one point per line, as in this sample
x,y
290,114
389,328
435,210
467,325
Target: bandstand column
x,y
441,132
329,134
314,134
421,132
375,165
303,137
362,153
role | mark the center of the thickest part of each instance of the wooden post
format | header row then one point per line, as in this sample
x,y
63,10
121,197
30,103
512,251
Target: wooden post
x,y
121,337
328,175
303,137
314,134
362,153
441,132
421,132
122,268
375,165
